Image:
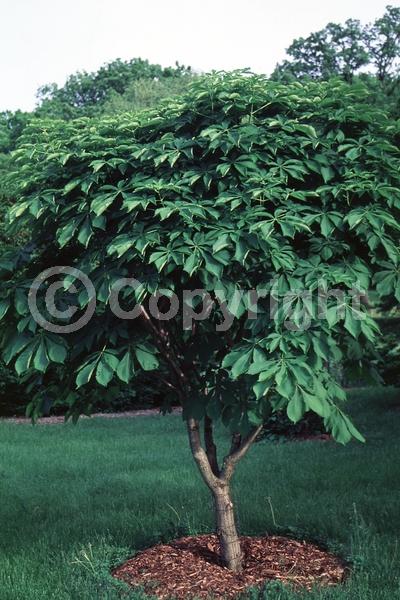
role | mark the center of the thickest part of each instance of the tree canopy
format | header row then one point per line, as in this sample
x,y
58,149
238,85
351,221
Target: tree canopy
x,y
241,185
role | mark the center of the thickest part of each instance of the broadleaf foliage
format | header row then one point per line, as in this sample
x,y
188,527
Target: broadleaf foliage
x,y
240,184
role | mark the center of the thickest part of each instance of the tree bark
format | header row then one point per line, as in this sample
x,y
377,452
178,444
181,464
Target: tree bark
x,y
218,482
231,554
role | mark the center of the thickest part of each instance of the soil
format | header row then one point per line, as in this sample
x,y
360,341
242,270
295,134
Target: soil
x,y
190,568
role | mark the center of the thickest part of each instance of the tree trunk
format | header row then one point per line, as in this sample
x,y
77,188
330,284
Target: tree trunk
x,y
231,553
218,481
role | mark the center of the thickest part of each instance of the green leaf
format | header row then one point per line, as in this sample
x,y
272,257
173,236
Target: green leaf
x,y
242,365
23,362
191,264
4,306
21,301
121,245
85,374
111,360
295,408
352,429
104,373
352,324
147,359
260,389
41,360
66,233
286,387
231,358
15,346
71,185
254,418
57,352
125,368
317,404
327,173
214,267
100,204
85,232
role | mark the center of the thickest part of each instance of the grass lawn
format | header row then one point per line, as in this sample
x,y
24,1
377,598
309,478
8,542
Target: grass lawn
x,y
77,499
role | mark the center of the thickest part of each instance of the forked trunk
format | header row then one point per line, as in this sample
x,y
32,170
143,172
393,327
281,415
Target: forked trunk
x,y
218,481
231,553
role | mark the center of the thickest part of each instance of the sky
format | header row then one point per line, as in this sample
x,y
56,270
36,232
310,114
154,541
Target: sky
x,y
44,41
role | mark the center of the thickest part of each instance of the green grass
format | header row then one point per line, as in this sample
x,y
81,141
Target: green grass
x,y
76,500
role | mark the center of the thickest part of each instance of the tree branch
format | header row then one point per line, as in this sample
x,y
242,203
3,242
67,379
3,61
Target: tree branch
x,y
235,444
233,458
165,347
200,455
211,449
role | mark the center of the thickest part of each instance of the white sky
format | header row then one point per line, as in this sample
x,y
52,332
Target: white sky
x,y
46,40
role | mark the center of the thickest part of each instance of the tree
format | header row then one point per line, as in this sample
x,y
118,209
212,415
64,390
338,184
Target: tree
x,y
12,125
84,93
383,42
241,184
342,50
336,50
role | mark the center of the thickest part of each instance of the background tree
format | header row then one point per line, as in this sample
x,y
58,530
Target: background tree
x,y
12,125
242,184
337,50
146,93
85,93
347,50
383,42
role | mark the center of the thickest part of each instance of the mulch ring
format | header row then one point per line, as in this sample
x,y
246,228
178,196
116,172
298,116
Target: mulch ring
x,y
189,568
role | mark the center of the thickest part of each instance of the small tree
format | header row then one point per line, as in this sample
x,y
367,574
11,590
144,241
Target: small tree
x,y
240,185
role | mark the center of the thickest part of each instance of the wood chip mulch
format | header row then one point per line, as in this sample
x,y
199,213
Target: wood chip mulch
x,y
188,567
